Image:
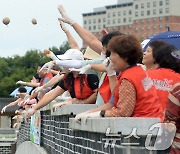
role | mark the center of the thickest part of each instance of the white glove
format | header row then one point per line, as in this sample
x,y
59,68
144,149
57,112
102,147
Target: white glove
x,y
21,82
65,18
3,109
49,54
17,112
80,115
47,65
29,113
38,89
83,117
85,69
63,26
108,64
55,106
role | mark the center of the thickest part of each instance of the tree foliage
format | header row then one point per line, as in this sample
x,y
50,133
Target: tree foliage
x,y
22,68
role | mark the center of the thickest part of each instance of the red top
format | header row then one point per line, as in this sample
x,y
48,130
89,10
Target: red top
x,y
86,90
163,79
47,76
105,90
147,103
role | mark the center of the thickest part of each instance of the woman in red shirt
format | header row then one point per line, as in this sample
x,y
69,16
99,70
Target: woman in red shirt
x,y
166,73
135,95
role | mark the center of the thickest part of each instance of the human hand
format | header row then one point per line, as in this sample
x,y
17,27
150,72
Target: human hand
x,y
104,32
79,116
29,113
85,69
64,15
63,26
3,109
38,89
86,115
21,82
49,54
47,65
17,112
77,101
25,101
55,106
15,117
108,64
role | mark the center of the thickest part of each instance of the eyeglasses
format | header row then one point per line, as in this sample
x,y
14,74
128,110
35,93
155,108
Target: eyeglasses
x,y
176,54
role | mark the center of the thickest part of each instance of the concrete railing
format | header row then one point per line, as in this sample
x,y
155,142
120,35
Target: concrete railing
x,y
8,139
120,125
4,131
61,134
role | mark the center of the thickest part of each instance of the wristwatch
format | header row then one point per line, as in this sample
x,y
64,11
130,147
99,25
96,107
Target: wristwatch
x,y
102,113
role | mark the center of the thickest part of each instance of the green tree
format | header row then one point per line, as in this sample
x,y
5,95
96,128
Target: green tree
x,y
23,68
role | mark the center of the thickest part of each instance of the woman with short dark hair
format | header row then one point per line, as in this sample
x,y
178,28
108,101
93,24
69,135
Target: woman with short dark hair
x,y
135,95
166,74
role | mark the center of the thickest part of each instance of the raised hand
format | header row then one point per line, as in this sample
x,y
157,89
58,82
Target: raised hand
x,y
21,82
48,65
63,26
108,64
64,15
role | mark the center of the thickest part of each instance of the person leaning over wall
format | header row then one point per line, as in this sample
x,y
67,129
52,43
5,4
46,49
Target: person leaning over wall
x,y
87,66
82,88
135,95
21,95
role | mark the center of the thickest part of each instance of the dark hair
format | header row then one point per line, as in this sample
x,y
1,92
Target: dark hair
x,y
106,38
165,59
68,81
37,77
127,47
155,46
22,90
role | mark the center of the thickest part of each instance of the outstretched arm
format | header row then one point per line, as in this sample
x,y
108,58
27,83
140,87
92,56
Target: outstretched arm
x,y
15,102
87,36
51,82
31,84
73,44
48,97
11,104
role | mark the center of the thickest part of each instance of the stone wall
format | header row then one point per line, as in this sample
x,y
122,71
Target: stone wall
x,y
5,148
61,134
7,141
